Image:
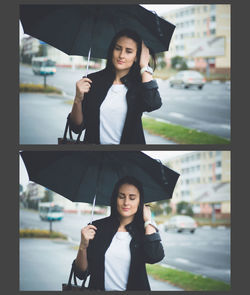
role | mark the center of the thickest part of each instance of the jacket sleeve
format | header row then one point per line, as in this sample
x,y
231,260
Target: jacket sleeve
x,y
149,96
153,249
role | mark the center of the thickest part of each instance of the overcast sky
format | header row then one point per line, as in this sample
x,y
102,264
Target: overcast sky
x,y
161,9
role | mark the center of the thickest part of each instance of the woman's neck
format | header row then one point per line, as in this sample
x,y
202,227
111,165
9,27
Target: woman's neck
x,y
124,222
119,75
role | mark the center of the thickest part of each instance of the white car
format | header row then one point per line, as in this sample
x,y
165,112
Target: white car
x,y
187,78
181,223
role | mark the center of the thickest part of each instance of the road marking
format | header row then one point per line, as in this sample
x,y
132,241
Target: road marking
x,y
176,115
225,126
182,260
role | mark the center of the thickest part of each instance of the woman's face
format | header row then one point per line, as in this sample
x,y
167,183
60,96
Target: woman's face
x,y
128,200
124,54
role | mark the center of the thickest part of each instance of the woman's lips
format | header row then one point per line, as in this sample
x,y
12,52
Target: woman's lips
x,y
125,209
120,62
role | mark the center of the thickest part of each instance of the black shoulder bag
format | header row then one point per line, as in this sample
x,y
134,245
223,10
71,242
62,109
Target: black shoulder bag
x,y
73,287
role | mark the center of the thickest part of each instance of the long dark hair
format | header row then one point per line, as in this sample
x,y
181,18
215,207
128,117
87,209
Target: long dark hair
x,y
134,71
138,218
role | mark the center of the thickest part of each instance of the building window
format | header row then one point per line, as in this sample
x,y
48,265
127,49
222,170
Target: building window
x,y
218,153
213,31
210,154
205,8
213,18
218,164
218,177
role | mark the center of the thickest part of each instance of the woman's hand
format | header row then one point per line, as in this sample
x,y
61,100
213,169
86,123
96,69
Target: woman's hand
x,y
146,213
82,86
145,56
87,233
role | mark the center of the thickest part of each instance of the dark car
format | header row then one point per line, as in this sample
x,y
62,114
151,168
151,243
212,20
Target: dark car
x,y
181,223
187,78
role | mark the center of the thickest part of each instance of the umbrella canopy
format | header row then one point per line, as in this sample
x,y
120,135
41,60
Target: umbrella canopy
x,y
74,29
82,175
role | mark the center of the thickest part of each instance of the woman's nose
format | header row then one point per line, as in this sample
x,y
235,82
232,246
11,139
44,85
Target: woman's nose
x,y
122,53
126,201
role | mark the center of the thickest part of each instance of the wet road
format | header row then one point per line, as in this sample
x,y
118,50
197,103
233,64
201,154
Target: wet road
x,y
207,110
206,252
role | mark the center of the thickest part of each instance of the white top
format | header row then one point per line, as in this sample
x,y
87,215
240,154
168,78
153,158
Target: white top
x,y
117,262
113,113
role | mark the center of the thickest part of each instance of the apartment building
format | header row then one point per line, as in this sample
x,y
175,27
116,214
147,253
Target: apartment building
x,y
202,36
204,180
30,47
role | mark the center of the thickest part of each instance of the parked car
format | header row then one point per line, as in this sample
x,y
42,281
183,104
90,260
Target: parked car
x,y
187,78
181,223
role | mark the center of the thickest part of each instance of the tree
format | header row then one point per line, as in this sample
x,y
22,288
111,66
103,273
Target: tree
x,y
160,60
168,209
178,62
48,196
185,208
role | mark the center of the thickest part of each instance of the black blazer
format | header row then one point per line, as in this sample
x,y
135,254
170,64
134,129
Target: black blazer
x,y
144,249
140,97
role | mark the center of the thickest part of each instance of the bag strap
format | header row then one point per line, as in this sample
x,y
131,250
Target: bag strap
x,y
72,273
67,127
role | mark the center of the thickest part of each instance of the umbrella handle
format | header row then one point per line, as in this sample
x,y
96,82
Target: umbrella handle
x,y
87,70
93,208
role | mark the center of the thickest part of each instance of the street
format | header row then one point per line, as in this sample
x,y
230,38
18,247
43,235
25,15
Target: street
x,y
206,252
206,110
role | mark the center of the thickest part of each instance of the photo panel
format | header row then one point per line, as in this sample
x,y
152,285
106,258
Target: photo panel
x,y
193,219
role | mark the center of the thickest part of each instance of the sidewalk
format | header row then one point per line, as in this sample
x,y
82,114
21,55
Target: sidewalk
x,y
45,264
155,139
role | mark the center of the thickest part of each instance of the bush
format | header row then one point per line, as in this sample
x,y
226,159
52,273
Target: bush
x,y
38,233
38,88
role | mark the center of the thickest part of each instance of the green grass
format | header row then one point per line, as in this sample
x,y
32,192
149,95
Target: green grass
x,y
38,88
186,280
181,134
37,233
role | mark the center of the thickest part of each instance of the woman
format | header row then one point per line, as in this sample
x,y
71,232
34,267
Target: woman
x,y
114,250
109,103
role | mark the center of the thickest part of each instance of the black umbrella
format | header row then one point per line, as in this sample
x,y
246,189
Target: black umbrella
x,y
74,29
82,175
